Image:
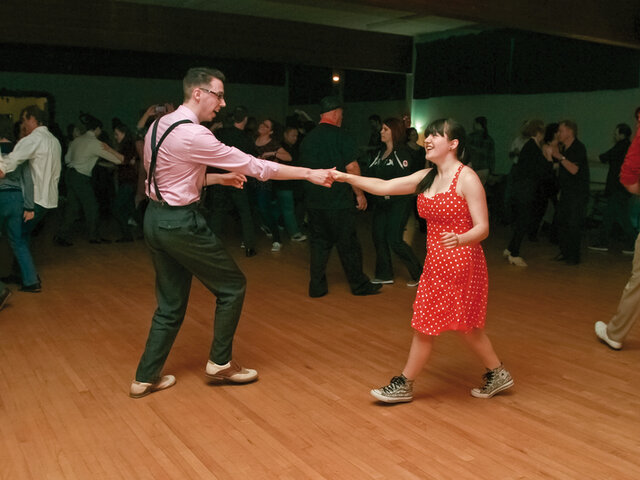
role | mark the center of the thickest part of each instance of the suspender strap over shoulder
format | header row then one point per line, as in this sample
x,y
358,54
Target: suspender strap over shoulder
x,y
154,154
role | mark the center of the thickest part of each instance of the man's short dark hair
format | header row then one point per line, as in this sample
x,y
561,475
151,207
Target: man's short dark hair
x,y
375,118
89,121
35,112
198,77
624,130
239,114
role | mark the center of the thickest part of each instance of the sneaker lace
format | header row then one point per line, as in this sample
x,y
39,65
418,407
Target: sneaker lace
x,y
488,380
395,383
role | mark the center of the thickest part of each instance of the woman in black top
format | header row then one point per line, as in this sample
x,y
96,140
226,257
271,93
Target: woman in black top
x,y
417,151
390,214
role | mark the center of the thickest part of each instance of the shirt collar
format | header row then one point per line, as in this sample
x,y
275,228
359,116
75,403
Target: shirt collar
x,y
329,122
188,113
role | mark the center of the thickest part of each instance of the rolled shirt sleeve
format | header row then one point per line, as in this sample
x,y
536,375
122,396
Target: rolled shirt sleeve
x,y
208,150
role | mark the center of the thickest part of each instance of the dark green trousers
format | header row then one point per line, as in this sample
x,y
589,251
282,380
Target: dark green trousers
x,y
182,245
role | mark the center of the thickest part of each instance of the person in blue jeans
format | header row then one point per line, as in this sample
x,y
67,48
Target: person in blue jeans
x,y
16,209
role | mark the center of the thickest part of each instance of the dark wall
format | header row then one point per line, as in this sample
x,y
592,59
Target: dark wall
x,y
508,61
309,84
118,63
122,26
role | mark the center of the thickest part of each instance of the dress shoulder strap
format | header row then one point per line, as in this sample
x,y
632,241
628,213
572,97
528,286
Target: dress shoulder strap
x,y
454,183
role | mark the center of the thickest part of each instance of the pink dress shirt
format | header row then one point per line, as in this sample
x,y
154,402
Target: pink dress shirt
x,y
185,154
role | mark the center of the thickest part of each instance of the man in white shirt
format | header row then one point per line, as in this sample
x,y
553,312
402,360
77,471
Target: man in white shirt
x,y
42,150
82,156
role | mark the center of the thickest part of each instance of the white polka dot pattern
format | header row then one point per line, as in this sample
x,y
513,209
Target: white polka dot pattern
x,y
453,289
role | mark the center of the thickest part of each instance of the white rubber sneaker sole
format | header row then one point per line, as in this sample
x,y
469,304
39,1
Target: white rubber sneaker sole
x,y
385,399
476,392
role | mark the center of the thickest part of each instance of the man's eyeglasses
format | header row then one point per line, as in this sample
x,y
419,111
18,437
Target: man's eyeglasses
x,y
220,95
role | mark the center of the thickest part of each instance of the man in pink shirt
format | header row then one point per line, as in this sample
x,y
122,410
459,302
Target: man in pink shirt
x,y
613,333
177,151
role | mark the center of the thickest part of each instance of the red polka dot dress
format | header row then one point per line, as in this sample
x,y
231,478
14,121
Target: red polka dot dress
x,y
452,294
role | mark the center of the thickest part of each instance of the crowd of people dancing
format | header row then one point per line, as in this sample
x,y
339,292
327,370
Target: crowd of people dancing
x,y
180,172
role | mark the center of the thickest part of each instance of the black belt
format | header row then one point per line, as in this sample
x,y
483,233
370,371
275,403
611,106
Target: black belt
x,y
163,204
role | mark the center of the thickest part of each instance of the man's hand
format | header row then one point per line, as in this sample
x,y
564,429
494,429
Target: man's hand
x,y
321,177
361,201
28,215
233,179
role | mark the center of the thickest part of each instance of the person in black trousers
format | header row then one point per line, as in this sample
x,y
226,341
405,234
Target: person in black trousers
x,y
390,214
526,177
617,210
573,177
234,136
332,214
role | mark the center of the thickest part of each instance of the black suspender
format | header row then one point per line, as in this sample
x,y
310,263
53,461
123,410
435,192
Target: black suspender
x,y
154,155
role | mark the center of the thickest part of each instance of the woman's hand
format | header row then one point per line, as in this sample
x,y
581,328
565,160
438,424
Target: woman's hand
x,y
449,240
338,176
322,177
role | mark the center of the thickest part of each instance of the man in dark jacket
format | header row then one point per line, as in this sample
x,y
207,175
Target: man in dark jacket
x,y
332,212
617,210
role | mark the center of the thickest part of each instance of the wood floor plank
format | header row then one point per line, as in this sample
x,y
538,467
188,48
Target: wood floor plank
x,y
68,355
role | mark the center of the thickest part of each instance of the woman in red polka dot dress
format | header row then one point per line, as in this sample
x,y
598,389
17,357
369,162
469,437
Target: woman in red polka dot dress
x,y
452,294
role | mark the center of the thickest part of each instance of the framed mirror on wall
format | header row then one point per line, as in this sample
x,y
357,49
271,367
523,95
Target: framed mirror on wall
x,y
13,102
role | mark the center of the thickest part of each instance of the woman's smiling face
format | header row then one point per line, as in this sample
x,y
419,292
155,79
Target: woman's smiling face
x,y
437,147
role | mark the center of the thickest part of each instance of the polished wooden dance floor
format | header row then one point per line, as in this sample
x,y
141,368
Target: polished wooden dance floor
x,y
68,355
